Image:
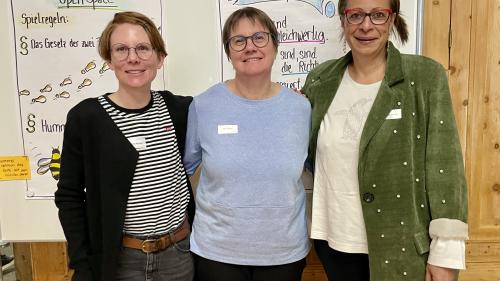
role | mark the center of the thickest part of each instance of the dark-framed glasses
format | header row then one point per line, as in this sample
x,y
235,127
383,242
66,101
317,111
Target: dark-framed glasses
x,y
142,50
239,42
377,17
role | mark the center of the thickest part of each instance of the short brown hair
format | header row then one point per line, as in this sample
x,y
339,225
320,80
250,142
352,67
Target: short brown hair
x,y
254,15
154,35
399,22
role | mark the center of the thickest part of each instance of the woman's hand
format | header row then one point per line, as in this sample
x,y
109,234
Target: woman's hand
x,y
437,273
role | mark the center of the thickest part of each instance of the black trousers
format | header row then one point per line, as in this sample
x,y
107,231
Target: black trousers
x,y
340,266
209,270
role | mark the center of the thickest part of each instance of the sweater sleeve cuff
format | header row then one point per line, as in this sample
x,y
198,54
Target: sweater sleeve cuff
x,y
449,229
448,253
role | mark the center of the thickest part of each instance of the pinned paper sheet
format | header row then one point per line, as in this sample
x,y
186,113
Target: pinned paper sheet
x,y
14,168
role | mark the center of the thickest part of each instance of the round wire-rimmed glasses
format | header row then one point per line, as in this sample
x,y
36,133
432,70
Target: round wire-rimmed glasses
x,y
377,17
239,42
121,51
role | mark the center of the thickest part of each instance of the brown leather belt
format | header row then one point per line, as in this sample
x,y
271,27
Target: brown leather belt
x,y
158,244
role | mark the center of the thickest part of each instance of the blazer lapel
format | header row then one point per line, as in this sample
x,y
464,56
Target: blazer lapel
x,y
322,103
382,106
324,87
386,97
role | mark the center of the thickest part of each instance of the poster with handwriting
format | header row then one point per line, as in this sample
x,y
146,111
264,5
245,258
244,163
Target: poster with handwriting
x,y
309,33
57,66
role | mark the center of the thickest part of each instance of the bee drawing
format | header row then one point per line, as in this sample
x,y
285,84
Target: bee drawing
x,y
53,164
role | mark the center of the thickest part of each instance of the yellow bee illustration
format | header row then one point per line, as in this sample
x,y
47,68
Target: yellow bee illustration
x,y
53,164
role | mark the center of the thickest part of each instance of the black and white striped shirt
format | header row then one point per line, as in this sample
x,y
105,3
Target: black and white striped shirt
x,y
159,193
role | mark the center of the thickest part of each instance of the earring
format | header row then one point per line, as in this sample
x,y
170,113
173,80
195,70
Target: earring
x,y
344,48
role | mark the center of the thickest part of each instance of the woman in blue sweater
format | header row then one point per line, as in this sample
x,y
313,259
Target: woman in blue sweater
x,y
250,136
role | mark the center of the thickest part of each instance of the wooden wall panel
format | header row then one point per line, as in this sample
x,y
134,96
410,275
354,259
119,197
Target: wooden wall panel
x,y
483,144
436,30
50,262
459,66
447,27
22,252
483,137
480,272
41,261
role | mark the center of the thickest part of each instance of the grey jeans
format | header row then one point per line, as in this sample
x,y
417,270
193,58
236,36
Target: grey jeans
x,y
172,264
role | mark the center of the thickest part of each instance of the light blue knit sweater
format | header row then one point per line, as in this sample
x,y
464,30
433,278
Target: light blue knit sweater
x,y
250,201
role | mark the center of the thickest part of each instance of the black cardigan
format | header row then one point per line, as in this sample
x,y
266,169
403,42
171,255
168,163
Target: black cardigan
x,y
97,168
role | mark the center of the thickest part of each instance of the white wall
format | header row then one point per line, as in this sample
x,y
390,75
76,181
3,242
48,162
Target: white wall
x,y
193,62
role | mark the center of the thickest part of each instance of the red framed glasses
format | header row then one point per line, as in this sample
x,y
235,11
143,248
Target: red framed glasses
x,y
377,17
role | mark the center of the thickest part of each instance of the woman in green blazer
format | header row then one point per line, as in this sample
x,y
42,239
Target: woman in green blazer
x,y
390,196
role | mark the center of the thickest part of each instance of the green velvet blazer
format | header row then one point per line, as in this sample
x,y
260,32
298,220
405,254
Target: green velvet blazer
x,y
410,169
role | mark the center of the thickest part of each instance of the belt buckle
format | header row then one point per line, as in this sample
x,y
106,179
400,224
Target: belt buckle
x,y
149,242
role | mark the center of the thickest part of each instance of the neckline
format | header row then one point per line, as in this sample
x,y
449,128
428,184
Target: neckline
x,y
131,110
348,78
252,102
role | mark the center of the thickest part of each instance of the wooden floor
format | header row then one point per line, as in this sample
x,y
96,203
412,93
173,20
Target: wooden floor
x,y
314,270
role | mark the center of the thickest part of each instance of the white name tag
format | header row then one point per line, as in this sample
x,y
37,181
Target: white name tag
x,y
227,129
138,142
394,114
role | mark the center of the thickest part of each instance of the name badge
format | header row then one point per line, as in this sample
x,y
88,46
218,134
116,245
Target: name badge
x,y
138,142
227,129
394,114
